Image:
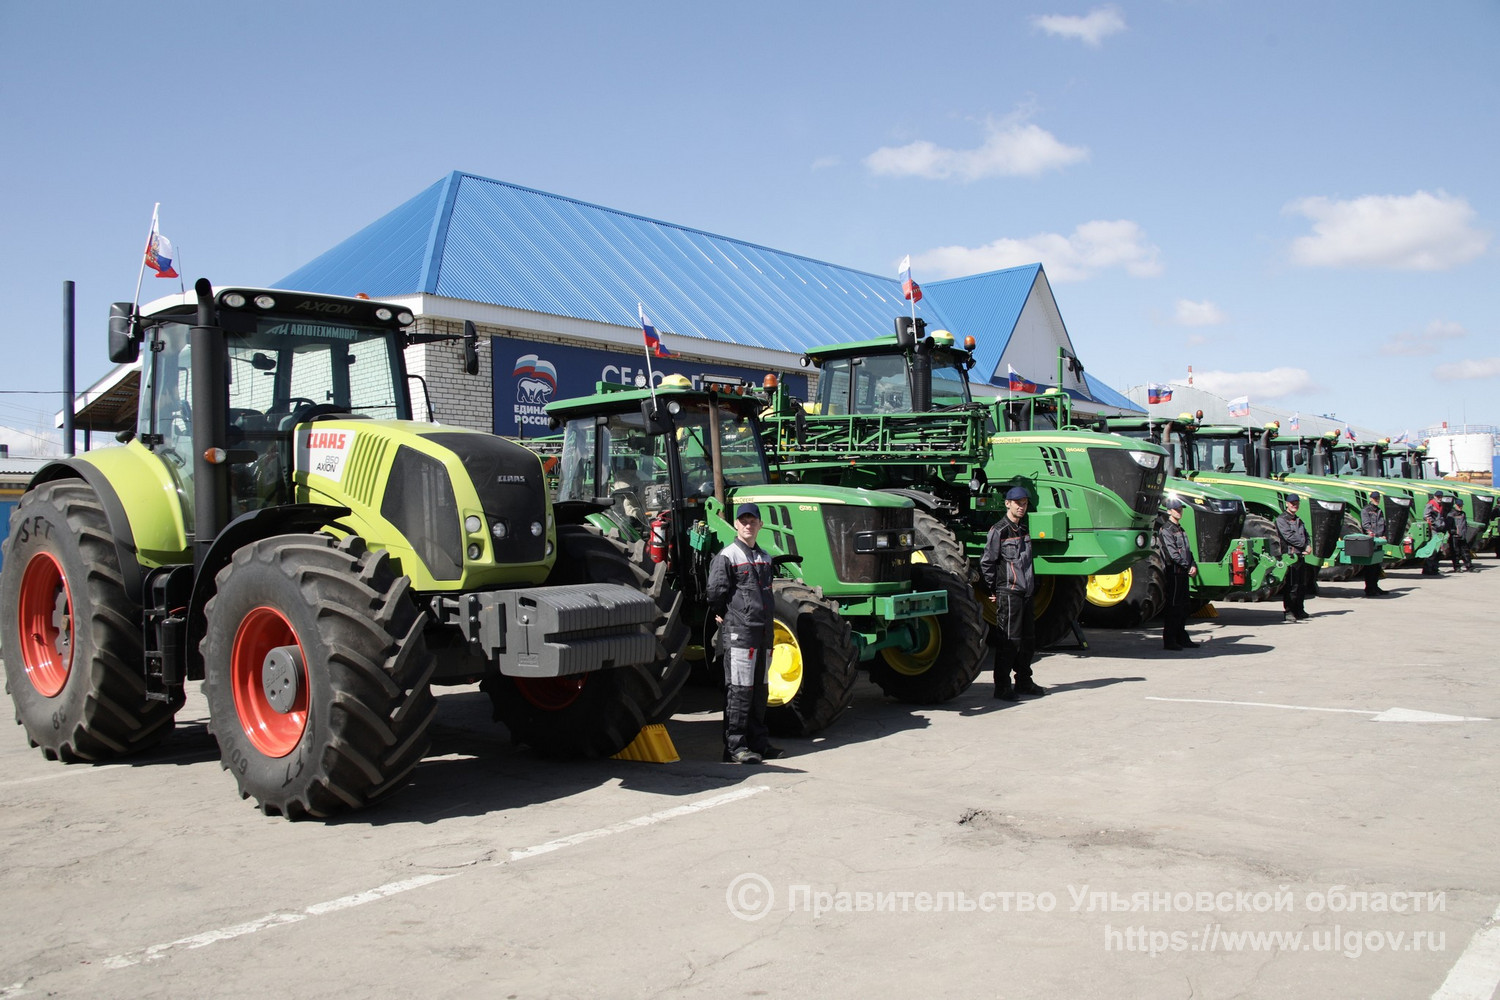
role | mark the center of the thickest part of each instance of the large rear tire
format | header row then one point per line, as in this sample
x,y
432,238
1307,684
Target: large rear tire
x,y
941,545
71,635
950,647
317,675
596,714
1128,599
1059,600
814,662
1257,526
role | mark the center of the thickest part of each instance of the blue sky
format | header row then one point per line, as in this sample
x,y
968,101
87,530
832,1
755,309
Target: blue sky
x,y
1299,200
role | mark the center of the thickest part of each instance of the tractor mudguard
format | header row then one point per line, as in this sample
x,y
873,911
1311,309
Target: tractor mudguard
x,y
114,511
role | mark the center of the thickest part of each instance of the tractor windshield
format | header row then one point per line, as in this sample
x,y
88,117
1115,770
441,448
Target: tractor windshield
x,y
739,443
950,382
283,365
1221,454
874,384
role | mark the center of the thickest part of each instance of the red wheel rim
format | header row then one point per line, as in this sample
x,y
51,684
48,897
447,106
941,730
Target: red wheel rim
x,y
45,615
273,733
551,694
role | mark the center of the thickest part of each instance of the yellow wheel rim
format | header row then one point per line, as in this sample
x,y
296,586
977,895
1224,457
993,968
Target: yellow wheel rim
x,y
986,605
921,659
784,676
919,557
1105,590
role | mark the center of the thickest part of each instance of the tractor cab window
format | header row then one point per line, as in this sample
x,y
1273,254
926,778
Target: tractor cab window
x,y
950,383
739,447
166,412
576,468
635,475
1221,454
876,384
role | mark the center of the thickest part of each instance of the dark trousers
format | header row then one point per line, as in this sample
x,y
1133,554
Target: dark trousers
x,y
1458,549
1371,575
745,695
1174,614
1015,637
1294,590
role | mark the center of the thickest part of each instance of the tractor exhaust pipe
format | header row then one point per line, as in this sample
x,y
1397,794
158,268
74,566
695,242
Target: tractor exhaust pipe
x,y
69,393
210,400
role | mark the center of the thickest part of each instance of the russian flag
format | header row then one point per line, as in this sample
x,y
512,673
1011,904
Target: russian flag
x,y
654,346
1158,393
909,289
1295,424
1239,407
1018,382
1349,434
159,255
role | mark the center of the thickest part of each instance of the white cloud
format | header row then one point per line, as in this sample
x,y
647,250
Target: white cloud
x,y
824,162
1258,386
1468,368
1013,148
1205,313
1091,29
1092,247
1424,341
1419,232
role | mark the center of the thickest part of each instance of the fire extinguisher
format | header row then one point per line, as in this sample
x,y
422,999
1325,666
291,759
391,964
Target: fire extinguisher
x,y
656,548
1237,566
1406,546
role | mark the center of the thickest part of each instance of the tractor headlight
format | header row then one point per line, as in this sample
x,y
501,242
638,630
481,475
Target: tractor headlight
x,y
1146,459
1140,540
472,523
880,541
265,302
536,529
499,530
234,300
474,550
1330,504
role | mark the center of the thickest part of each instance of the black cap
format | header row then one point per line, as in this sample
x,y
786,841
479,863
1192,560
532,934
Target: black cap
x,y
747,510
1174,503
1017,493
1293,498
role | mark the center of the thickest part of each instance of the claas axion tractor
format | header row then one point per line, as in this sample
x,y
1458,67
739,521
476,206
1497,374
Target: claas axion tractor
x,y
279,528
663,469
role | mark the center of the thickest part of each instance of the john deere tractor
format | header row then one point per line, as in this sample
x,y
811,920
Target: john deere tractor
x,y
895,414
662,470
1225,457
279,528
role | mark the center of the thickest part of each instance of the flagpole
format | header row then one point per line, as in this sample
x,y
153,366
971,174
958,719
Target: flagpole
x,y
640,308
141,276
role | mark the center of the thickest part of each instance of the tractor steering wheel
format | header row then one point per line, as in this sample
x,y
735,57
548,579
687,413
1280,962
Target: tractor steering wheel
x,y
306,410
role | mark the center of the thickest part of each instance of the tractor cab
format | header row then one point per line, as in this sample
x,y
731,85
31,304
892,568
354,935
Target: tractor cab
x,y
907,372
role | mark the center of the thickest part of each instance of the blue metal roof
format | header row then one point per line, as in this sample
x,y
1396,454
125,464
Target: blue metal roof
x,y
480,240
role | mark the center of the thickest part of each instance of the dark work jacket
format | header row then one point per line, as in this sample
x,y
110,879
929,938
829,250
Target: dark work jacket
x,y
1435,518
1460,525
1292,532
739,590
1371,520
1175,550
1006,563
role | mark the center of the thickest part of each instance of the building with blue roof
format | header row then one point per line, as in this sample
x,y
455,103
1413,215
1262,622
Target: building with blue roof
x,y
547,276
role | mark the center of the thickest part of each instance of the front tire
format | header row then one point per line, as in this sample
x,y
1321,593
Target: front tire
x,y
71,635
814,662
596,714
945,551
317,675
1129,599
950,646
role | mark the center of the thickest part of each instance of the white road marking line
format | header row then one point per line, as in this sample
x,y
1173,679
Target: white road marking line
x,y
13,990
1389,715
1477,972
156,951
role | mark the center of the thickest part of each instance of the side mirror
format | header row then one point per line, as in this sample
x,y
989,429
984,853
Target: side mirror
x,y
471,348
124,342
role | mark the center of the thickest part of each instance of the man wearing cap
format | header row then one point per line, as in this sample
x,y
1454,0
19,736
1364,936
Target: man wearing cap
x,y
1180,567
739,595
1372,522
1296,543
1006,569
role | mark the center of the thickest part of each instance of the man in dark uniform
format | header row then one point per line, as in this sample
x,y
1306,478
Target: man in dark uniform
x,y
1180,567
1437,521
1459,541
1372,522
1006,568
739,595
1296,543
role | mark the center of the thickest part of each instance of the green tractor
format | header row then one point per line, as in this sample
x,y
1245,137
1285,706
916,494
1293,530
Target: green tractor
x,y
895,414
1226,457
1326,461
1230,565
661,469
1384,464
278,527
